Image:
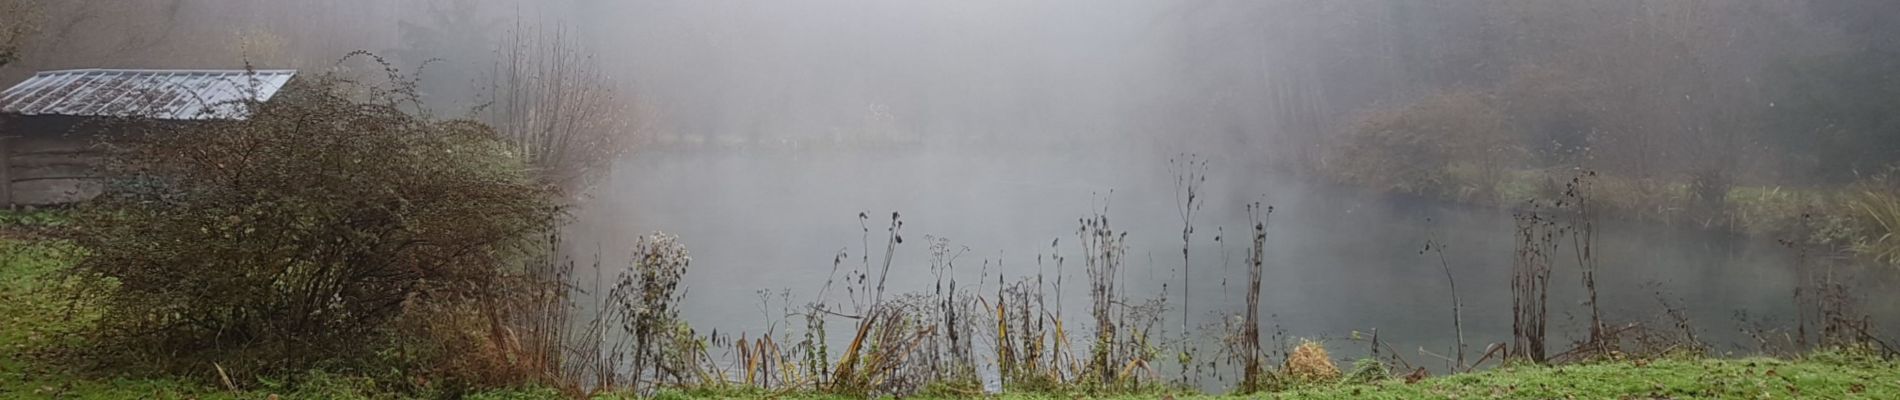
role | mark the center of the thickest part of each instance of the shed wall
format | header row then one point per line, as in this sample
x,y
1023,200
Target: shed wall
x,y
50,162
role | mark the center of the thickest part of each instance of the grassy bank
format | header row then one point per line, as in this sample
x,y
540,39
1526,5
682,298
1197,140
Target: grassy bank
x,y
1831,375
1860,218
40,321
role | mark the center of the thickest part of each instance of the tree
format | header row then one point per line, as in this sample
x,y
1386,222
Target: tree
x,y
299,235
1836,113
19,20
1834,107
1456,143
555,106
447,50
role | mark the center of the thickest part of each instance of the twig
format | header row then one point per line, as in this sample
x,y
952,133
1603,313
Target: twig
x,y
1496,348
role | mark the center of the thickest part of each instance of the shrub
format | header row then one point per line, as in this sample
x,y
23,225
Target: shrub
x,y
647,298
1310,363
1878,215
1453,144
298,235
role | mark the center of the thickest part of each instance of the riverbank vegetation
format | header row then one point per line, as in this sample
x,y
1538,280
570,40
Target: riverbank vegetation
x,y
338,244
1794,149
552,341
42,322
346,242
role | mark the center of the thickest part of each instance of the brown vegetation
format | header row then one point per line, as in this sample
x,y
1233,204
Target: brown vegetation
x,y
19,21
1310,363
303,233
1453,144
1253,375
554,104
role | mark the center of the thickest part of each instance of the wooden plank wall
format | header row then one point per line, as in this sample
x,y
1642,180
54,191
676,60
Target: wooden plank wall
x,y
45,163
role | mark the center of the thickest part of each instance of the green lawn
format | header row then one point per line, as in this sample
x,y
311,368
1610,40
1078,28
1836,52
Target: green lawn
x,y
1828,376
1823,376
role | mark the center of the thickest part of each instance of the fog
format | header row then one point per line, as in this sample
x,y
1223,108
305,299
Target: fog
x,y
769,126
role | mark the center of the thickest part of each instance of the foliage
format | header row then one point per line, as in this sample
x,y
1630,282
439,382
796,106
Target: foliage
x,y
1557,112
1418,148
447,48
1367,370
298,235
557,108
647,298
19,21
1310,363
1881,212
33,221
27,267
35,304
1820,376
1866,218
1835,113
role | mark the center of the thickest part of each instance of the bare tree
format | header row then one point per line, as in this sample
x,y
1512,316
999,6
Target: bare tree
x,y
19,20
551,100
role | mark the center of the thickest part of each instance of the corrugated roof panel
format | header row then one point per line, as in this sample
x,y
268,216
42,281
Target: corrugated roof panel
x,y
157,94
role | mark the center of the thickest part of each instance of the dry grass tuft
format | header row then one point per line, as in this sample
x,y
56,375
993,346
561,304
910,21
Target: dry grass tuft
x,y
1310,363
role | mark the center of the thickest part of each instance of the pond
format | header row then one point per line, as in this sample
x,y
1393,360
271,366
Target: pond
x,y
1337,260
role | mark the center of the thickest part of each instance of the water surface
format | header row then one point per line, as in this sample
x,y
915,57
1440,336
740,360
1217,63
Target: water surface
x,y
1338,260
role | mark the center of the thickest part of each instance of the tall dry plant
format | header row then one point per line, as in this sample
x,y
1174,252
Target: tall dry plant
x,y
648,293
1102,249
1062,361
1253,374
527,320
1190,173
888,353
1537,237
955,360
550,99
1583,237
1457,306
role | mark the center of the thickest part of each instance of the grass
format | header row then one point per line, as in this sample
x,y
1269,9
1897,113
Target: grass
x,y
35,315
1825,375
1855,217
37,318
1691,378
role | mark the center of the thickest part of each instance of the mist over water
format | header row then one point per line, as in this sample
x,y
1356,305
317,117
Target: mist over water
x,y
1338,260
768,127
